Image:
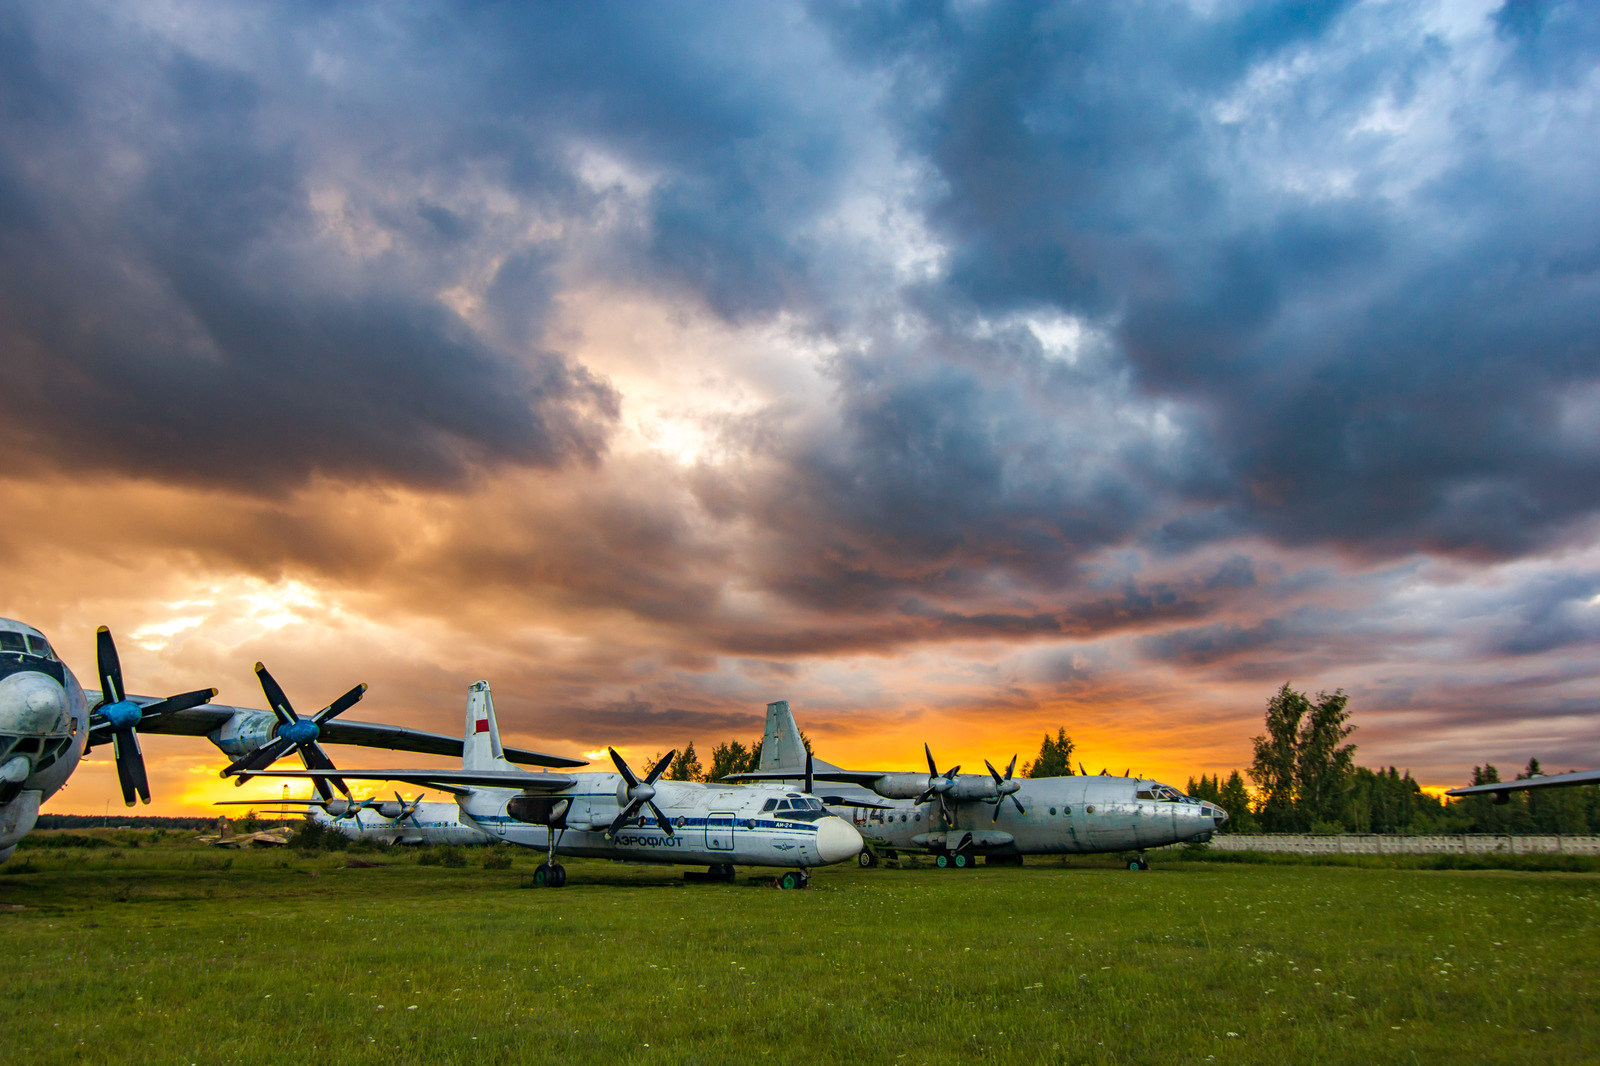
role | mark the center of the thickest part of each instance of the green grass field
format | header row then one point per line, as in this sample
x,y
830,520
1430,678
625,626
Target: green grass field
x,y
175,953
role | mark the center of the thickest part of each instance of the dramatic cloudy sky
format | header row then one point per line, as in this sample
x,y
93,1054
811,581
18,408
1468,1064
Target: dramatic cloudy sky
x,y
955,371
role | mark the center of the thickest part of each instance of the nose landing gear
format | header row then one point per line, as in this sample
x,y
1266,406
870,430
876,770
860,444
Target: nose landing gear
x,y
1140,863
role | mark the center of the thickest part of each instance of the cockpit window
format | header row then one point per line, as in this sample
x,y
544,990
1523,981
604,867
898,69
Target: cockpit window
x,y
784,805
40,646
11,641
1145,794
770,805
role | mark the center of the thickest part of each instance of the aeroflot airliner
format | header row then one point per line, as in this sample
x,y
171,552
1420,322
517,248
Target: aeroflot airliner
x,y
623,816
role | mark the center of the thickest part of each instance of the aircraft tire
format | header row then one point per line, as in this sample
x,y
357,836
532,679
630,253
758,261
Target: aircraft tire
x,y
542,876
962,860
559,880
867,858
941,860
789,880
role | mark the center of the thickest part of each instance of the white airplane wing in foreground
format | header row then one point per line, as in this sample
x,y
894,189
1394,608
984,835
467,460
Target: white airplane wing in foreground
x,y
1502,789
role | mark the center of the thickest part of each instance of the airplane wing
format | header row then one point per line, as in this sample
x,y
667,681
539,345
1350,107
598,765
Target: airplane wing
x,y
864,778
209,717
456,781
1581,777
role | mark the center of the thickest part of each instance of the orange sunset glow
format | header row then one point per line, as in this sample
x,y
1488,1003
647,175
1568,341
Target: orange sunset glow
x,y
952,403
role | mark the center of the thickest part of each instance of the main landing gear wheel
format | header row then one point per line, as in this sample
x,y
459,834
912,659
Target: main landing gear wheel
x,y
941,860
723,871
548,876
961,860
867,858
794,879
1141,863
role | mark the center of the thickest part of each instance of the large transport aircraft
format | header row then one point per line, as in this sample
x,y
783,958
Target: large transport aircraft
x,y
957,817
48,722
623,816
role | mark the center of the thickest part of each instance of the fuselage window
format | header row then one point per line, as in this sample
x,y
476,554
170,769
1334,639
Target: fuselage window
x,y
1066,810
11,641
1052,810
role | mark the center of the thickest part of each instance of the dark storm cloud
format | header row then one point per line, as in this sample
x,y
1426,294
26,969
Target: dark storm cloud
x,y
1377,368
175,302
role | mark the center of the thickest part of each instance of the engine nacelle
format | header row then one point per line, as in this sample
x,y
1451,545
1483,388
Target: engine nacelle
x,y
243,733
971,787
539,810
900,786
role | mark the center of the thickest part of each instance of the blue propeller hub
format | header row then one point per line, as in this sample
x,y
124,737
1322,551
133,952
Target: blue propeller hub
x,y
122,713
303,731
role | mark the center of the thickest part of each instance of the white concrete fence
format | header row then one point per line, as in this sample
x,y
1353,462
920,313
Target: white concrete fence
x,y
1396,844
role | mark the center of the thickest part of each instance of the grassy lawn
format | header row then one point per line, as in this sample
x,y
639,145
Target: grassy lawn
x,y
174,954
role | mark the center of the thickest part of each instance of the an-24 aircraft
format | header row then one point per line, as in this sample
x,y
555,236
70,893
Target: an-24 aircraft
x,y
48,722
958,816
621,815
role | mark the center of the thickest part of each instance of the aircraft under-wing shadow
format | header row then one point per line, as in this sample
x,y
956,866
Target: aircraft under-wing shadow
x,y
48,722
623,815
957,817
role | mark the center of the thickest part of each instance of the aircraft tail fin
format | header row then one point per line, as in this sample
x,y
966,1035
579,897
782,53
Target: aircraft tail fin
x,y
480,745
781,746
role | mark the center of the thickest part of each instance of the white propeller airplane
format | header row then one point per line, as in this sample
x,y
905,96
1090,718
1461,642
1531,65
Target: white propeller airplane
x,y
396,821
623,816
48,722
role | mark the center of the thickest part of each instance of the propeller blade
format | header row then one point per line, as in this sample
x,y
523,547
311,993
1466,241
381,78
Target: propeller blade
x,y
995,773
1012,766
666,761
809,782
110,667
926,796
179,703
130,766
932,769
953,771
661,819
998,803
260,758
623,768
1017,802
624,818
1082,771
340,705
315,758
275,698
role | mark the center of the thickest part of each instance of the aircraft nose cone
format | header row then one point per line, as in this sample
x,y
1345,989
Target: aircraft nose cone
x,y
837,840
32,704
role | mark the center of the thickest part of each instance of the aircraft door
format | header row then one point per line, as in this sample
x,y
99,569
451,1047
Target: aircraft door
x,y
719,831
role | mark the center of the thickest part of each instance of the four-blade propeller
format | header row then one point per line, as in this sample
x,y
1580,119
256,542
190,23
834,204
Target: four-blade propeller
x,y
938,784
296,734
1003,787
640,793
118,717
